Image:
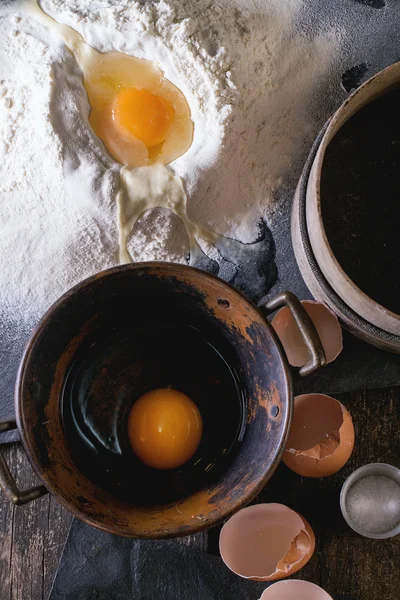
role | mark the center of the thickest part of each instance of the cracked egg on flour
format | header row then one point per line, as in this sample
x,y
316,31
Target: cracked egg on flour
x,y
139,115
144,122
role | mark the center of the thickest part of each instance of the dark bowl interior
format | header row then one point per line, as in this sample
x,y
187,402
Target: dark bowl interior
x,y
360,207
127,331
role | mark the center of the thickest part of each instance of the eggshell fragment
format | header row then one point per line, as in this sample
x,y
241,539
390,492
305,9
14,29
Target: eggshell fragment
x,y
295,589
321,437
266,542
326,324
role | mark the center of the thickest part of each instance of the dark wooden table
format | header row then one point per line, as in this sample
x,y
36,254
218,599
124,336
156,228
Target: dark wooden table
x,y
348,566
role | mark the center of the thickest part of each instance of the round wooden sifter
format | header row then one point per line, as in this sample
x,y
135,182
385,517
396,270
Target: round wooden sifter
x,y
346,213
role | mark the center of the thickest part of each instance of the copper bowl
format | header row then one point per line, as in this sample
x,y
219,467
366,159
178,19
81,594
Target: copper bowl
x,y
112,311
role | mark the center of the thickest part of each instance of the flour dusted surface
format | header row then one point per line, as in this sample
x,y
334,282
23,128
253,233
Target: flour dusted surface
x,y
249,80
49,239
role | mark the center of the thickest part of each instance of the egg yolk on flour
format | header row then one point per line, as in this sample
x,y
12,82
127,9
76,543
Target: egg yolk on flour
x,y
144,114
164,428
140,116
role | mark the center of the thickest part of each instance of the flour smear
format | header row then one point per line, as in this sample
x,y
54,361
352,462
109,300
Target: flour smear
x,y
250,79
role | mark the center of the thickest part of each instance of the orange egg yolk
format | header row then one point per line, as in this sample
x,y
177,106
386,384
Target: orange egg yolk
x,y
144,114
164,428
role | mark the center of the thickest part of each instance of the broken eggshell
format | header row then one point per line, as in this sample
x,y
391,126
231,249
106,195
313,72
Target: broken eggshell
x,y
266,542
321,437
326,324
295,588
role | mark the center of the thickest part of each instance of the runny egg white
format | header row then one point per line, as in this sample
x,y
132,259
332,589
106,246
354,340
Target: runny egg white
x,y
144,122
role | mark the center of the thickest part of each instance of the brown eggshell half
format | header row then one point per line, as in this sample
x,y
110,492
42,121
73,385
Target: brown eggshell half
x,y
295,589
321,437
326,324
266,542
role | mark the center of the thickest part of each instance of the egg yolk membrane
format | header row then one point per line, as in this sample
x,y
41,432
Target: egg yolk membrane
x,y
164,428
145,115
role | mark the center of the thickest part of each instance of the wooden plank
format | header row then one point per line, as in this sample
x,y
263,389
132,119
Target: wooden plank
x,y
345,564
32,538
348,566
28,536
7,511
59,521
351,565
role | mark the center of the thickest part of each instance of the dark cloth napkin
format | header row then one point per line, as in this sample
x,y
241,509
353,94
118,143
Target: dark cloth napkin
x,y
100,566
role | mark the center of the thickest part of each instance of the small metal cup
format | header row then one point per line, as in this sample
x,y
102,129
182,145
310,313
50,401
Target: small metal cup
x,y
381,469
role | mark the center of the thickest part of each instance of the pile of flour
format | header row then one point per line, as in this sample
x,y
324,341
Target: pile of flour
x,y
50,238
250,81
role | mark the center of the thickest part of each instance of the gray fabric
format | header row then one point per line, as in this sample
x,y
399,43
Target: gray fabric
x,y
101,566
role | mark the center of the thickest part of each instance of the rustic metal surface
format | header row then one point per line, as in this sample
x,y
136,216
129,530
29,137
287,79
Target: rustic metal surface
x,y
348,566
306,327
183,295
7,481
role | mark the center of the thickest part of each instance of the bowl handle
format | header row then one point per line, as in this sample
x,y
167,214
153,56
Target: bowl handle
x,y
306,328
7,481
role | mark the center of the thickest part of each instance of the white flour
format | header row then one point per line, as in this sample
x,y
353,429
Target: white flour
x,y
249,80
49,238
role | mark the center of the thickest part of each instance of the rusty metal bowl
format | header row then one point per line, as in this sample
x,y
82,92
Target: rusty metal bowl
x,y
112,311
